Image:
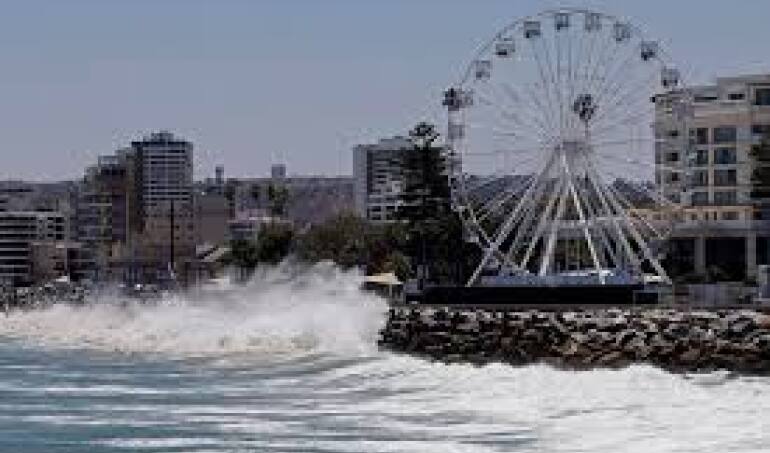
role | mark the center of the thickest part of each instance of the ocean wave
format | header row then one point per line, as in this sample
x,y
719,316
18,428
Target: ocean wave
x,y
282,310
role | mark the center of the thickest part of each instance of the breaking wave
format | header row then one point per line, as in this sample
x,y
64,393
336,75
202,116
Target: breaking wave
x,y
283,310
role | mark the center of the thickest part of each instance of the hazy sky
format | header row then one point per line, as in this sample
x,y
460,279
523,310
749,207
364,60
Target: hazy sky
x,y
300,81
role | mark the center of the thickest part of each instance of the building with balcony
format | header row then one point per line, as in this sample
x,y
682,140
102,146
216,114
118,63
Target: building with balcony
x,y
724,233
136,210
20,231
378,177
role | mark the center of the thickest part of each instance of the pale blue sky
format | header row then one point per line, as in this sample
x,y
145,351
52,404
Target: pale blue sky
x,y
252,82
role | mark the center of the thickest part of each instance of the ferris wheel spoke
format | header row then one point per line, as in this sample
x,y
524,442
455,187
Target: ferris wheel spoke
x,y
618,97
588,61
512,119
545,88
555,87
613,70
599,67
501,151
539,122
509,134
618,77
603,130
622,108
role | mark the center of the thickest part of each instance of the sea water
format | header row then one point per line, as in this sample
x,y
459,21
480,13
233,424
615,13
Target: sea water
x,y
289,363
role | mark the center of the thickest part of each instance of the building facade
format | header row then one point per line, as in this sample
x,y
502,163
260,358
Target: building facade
x,y
20,232
136,210
725,229
378,177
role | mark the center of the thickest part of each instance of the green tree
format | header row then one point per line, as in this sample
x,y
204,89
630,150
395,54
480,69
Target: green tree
x,y
274,242
271,246
435,233
341,239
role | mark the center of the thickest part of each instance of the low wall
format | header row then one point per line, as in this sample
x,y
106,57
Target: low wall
x,y
671,339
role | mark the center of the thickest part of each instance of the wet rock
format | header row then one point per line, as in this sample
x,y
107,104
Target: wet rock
x,y
672,339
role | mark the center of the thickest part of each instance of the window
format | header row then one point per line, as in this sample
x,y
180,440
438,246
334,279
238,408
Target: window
x,y
672,157
699,178
762,96
761,130
724,156
724,177
725,198
729,215
736,96
700,158
673,177
725,134
705,98
700,198
702,135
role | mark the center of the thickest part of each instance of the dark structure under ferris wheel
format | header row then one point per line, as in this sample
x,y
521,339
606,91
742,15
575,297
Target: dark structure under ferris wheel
x,y
551,160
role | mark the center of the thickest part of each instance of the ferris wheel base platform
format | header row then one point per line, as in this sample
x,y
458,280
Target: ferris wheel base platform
x,y
534,295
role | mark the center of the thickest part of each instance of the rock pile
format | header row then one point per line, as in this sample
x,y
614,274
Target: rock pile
x,y
672,339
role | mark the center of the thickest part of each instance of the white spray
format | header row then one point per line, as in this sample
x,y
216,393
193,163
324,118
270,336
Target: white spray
x,y
281,311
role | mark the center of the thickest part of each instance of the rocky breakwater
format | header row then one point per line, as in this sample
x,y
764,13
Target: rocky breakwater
x,y
671,339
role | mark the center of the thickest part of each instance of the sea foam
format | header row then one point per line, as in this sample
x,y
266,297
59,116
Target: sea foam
x,y
282,310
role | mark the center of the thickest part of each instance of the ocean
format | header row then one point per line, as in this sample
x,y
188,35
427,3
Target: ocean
x,y
290,364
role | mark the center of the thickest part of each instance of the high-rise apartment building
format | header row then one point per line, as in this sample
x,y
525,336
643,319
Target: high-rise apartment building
x,y
136,209
379,177
726,228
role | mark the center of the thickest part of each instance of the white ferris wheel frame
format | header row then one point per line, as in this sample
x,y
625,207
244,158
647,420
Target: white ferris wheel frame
x,y
618,235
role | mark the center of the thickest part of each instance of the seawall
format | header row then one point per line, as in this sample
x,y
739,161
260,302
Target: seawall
x,y
672,339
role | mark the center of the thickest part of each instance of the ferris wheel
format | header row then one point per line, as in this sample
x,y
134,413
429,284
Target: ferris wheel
x,y
553,133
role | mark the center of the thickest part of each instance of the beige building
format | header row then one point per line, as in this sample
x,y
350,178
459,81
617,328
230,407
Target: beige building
x,y
725,230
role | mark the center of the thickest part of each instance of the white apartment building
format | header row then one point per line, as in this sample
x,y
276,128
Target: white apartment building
x,y
166,166
378,177
165,192
724,231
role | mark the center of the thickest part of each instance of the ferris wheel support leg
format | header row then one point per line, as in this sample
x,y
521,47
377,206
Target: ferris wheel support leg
x,y
581,215
586,233
621,237
509,223
542,223
640,241
606,248
547,257
529,219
